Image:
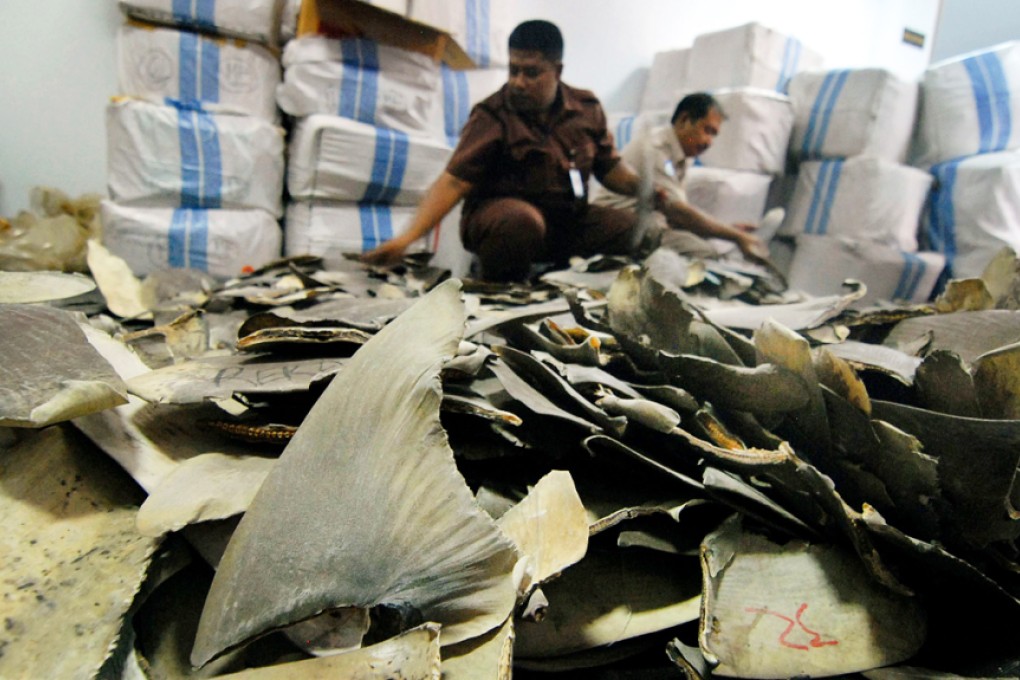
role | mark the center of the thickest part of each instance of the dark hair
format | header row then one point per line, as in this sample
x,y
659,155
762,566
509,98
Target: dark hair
x,y
696,106
537,35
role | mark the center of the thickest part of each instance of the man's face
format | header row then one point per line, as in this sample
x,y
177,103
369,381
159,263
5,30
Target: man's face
x,y
533,80
695,136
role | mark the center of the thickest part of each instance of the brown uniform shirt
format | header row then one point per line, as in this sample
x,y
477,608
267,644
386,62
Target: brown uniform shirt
x,y
503,153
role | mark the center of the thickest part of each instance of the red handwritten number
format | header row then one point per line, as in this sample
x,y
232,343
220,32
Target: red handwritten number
x,y
816,637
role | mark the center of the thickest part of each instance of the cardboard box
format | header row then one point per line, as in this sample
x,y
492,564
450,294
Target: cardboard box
x,y
482,27
354,19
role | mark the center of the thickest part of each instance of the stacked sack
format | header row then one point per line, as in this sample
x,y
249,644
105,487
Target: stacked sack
x,y
373,126
856,206
665,86
751,55
194,150
746,68
968,137
482,28
731,180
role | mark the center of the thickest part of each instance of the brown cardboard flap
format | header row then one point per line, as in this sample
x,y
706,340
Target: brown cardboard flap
x,y
354,19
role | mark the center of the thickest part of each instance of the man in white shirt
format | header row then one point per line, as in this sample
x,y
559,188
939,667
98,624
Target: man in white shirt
x,y
664,152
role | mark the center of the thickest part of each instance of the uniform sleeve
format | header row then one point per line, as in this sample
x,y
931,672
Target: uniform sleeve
x,y
606,155
480,144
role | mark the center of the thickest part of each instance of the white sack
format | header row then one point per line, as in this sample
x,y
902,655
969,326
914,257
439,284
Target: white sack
x,y
852,112
331,229
730,196
970,104
667,80
974,211
747,56
449,251
756,133
220,242
481,27
624,126
862,197
251,19
289,19
753,138
461,90
821,264
362,80
342,159
218,74
162,156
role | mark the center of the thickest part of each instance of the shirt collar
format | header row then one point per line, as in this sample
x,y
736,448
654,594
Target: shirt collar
x,y
570,101
566,100
665,138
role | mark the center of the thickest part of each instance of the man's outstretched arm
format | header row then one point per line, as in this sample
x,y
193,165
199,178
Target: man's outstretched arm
x,y
445,193
682,215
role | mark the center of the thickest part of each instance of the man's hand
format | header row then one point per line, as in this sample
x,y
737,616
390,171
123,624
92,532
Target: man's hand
x,y
444,193
750,245
660,198
389,253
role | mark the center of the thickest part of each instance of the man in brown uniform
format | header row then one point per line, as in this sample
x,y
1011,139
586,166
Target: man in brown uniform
x,y
522,167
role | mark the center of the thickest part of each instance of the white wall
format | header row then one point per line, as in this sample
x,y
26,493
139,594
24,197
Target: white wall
x,y
58,73
967,25
59,64
610,43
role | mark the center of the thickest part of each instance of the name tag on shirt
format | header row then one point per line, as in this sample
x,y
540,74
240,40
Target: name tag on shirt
x,y
577,183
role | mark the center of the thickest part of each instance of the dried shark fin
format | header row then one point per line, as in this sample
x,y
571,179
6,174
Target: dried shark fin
x,y
413,655
207,487
969,334
798,610
944,384
50,371
487,657
68,545
808,425
220,376
997,383
366,507
977,464
549,528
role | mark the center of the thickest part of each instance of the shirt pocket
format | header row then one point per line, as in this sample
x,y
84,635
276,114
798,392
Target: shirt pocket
x,y
537,170
581,151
